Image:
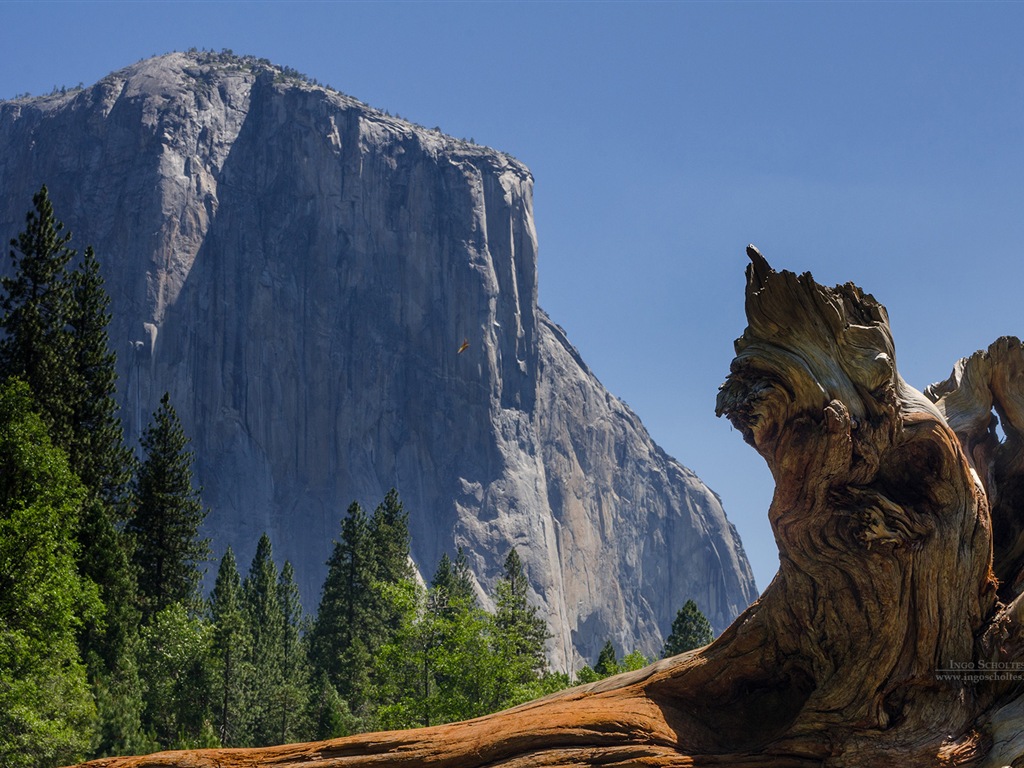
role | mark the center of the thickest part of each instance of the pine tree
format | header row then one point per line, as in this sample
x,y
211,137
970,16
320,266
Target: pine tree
x,y
36,308
519,633
46,710
690,630
97,449
294,664
169,553
104,463
266,625
389,541
55,322
607,663
389,537
452,581
329,714
231,644
340,648
357,613
462,581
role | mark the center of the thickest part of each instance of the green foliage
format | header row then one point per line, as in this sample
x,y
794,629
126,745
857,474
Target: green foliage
x,y
690,630
607,662
357,614
451,660
176,651
46,711
294,692
452,581
36,304
98,453
404,665
329,713
230,654
519,634
266,626
633,661
169,554
344,629
55,321
440,666
118,693
388,531
468,661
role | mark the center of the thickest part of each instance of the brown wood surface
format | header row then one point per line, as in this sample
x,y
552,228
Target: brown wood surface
x,y
887,509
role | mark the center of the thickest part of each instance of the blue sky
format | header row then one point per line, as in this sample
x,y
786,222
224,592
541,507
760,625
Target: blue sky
x,y
881,143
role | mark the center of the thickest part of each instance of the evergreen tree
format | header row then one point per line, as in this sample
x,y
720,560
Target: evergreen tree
x,y
294,665
97,449
36,306
46,710
607,663
329,713
389,537
118,692
519,633
444,575
452,581
690,630
104,463
266,625
168,512
357,612
56,339
389,543
230,644
340,648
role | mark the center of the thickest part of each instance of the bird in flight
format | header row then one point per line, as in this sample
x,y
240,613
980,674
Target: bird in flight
x,y
464,347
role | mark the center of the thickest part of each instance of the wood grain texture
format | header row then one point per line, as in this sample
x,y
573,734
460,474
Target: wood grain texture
x,y
882,517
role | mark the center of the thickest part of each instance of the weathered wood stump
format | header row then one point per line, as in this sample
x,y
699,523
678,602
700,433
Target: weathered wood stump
x,y
890,636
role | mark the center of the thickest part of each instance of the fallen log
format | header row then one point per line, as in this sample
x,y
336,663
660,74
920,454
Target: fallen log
x,y
891,634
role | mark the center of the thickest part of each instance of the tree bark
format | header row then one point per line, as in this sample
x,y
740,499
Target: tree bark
x,y
892,632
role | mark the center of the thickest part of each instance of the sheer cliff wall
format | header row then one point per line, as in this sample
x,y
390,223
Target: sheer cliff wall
x,y
299,271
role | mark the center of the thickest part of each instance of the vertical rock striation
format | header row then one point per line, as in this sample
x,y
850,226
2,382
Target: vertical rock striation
x,y
299,271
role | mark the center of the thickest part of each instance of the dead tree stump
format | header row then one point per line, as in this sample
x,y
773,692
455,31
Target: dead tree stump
x,y
892,632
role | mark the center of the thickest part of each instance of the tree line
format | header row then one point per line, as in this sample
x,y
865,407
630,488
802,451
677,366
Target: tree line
x,y
107,643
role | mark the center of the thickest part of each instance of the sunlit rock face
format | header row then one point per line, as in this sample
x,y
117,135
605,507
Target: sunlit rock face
x,y
300,272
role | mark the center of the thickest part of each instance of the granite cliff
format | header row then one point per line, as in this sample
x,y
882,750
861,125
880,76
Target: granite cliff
x,y
300,270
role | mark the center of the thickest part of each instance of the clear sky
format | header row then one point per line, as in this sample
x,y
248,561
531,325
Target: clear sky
x,y
881,143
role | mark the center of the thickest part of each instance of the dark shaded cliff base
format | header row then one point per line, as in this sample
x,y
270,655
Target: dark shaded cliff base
x,y
876,643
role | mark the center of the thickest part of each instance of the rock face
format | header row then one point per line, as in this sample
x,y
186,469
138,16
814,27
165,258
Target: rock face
x,y
300,271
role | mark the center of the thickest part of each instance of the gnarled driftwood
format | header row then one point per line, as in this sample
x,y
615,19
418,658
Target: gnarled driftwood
x,y
889,636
